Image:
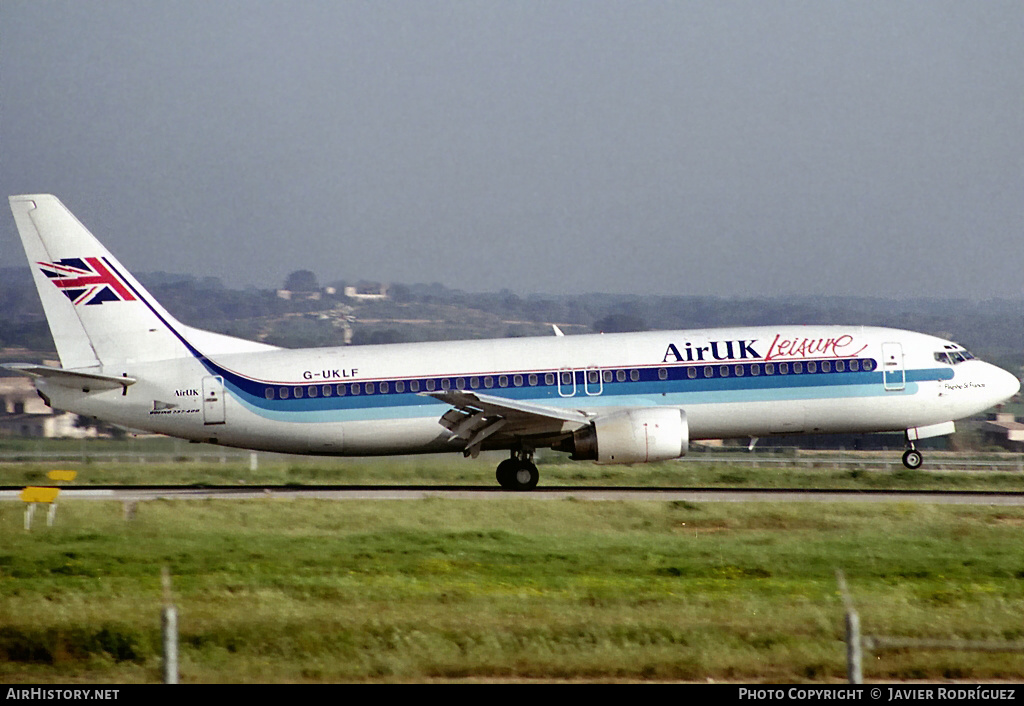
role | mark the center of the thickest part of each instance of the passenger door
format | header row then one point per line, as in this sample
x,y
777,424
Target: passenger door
x,y
894,375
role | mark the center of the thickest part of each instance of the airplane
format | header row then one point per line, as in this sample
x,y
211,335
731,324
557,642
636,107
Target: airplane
x,y
623,398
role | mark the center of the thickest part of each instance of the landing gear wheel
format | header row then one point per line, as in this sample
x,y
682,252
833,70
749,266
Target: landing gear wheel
x,y
526,476
517,473
506,473
912,458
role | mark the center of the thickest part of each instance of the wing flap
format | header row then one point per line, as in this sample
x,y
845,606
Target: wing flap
x,y
508,408
477,417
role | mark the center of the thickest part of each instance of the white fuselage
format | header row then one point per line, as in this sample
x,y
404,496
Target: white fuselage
x,y
735,382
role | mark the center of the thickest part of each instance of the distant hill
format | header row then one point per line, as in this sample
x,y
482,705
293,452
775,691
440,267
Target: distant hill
x,y
992,329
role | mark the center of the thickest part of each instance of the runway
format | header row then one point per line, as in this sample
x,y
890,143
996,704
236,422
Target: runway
x,y
644,494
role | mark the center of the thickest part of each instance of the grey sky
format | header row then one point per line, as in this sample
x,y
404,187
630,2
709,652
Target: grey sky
x,y
726,148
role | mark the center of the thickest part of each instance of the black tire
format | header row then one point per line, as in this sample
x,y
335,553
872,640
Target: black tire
x,y
506,473
912,459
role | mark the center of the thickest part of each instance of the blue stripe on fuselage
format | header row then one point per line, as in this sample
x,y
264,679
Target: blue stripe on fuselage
x,y
645,391
648,389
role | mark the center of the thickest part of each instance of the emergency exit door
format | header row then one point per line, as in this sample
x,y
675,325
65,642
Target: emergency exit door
x,y
213,399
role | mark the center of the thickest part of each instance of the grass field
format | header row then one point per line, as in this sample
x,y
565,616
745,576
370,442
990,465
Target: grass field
x,y
171,462
505,588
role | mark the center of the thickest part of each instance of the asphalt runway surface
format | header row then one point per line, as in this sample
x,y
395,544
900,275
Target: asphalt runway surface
x,y
613,493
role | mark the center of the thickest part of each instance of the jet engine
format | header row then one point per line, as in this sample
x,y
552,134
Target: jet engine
x,y
636,435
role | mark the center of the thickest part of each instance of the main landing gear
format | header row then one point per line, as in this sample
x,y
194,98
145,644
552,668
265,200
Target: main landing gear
x,y
518,472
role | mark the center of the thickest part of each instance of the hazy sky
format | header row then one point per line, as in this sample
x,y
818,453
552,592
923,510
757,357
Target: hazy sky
x,y
725,148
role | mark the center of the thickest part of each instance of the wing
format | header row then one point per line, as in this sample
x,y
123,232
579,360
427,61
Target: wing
x,y
477,417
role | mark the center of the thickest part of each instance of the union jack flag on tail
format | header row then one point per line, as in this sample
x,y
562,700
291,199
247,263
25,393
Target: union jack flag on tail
x,y
86,281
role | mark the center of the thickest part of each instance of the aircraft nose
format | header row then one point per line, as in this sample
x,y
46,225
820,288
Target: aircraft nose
x,y
1004,384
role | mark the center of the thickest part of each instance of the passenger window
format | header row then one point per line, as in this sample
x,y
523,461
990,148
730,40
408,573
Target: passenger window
x,y
549,378
533,379
327,390
826,367
460,383
400,386
446,384
488,382
298,392
607,376
783,368
431,385
798,368
691,373
592,377
384,388
854,366
269,393
723,371
869,364
755,369
620,375
503,381
738,370
414,386
812,367
769,368
840,366
355,388
709,372
474,383
283,393
634,375
341,390
313,391
517,380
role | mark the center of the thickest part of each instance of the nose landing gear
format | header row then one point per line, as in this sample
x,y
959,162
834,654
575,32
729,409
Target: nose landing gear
x,y
518,472
912,458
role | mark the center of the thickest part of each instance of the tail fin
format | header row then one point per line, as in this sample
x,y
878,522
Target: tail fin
x,y
98,313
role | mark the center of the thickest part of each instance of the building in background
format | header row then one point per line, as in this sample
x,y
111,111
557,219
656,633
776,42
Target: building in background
x,y
1004,430
24,414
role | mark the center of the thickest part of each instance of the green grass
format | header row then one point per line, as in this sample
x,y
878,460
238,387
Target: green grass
x,y
509,587
162,461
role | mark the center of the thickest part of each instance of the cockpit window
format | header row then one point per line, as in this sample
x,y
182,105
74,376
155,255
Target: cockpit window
x,y
953,355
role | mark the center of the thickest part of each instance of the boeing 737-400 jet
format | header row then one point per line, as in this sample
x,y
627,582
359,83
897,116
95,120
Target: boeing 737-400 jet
x,y
611,398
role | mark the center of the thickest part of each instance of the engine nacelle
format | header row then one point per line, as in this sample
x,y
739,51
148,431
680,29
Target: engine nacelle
x,y
634,436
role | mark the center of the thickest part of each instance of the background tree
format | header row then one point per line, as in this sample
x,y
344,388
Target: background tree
x,y
301,281
619,323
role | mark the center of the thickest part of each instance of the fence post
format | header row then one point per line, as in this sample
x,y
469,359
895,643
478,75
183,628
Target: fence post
x,y
169,629
853,648
854,660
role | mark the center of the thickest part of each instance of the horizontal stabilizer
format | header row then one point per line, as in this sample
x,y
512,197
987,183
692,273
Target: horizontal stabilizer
x,y
69,378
